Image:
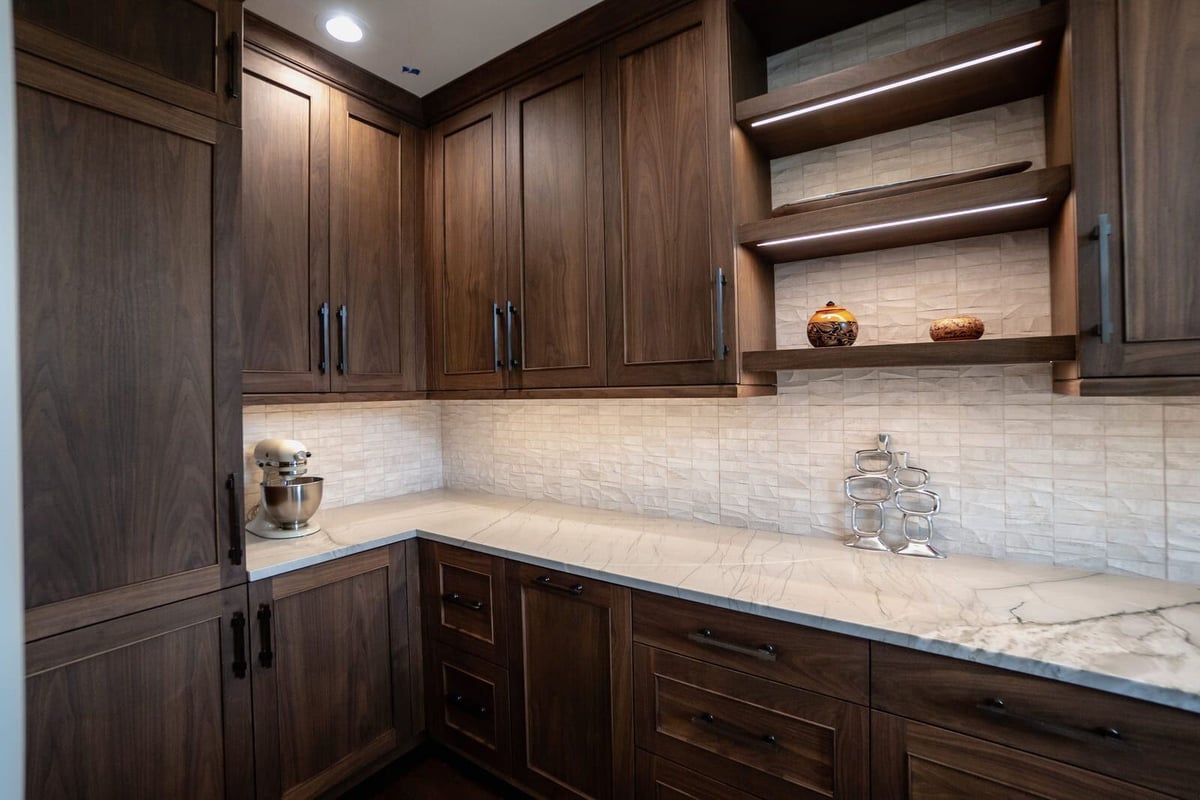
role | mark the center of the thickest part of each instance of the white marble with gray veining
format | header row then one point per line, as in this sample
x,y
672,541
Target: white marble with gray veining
x,y
1137,637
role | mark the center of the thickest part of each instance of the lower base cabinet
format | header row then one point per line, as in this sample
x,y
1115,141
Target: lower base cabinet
x,y
154,704
333,671
467,706
659,779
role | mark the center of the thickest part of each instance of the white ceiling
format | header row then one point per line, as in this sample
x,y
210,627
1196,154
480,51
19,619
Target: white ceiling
x,y
443,38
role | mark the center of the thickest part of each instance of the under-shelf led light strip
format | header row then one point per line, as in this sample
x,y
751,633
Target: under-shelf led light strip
x,y
924,76
900,222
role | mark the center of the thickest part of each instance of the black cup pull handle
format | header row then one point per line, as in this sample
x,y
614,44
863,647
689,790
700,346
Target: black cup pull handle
x,y
474,709
545,582
236,548
763,652
454,598
266,657
732,732
238,623
998,709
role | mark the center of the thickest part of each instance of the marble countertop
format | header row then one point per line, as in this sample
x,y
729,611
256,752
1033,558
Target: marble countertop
x,y
1137,637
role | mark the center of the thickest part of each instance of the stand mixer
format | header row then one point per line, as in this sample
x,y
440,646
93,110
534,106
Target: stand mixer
x,y
289,499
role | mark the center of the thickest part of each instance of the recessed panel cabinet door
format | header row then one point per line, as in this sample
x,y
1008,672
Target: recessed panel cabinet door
x,y
155,704
374,226
668,228
130,353
285,230
332,663
554,321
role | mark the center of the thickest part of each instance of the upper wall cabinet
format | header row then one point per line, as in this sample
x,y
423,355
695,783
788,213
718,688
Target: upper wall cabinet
x,y
1136,142
164,49
332,193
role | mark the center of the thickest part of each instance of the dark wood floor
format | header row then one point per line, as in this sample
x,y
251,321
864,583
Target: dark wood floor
x,y
431,773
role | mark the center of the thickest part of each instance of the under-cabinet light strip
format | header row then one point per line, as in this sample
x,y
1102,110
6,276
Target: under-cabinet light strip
x,y
924,76
899,222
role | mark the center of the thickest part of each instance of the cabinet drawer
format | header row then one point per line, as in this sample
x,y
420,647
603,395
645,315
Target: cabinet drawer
x,y
467,705
1139,742
805,657
659,779
769,739
462,592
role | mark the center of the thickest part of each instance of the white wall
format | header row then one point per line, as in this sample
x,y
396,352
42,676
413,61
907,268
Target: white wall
x,y
12,636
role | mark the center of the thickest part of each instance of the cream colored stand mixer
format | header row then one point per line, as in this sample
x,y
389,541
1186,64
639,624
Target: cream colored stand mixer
x,y
289,496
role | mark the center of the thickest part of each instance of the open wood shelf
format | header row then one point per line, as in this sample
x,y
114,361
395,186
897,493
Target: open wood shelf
x,y
1022,350
1003,80
839,229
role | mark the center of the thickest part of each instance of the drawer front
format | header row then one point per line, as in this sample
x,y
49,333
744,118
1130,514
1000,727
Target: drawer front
x,y
463,596
1138,742
805,657
467,705
769,739
659,779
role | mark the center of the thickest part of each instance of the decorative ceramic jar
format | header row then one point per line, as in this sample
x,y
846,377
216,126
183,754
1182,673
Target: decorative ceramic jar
x,y
832,326
952,329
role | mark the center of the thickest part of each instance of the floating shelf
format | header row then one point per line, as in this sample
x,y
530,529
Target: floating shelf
x,y
1023,350
979,208
1003,79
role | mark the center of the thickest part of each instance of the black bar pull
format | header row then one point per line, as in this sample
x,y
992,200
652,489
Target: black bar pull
x,y
763,652
343,341
997,708
545,582
233,86
238,623
722,348
513,362
1102,233
454,598
475,709
732,732
265,655
496,314
323,315
236,550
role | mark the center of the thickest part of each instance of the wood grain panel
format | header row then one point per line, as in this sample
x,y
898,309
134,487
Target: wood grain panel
x,y
556,216
113,380
660,779
144,706
467,704
1016,350
285,201
475,579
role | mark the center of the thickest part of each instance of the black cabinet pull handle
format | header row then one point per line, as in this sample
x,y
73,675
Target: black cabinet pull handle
x,y
454,598
722,349
343,341
236,550
998,709
238,623
513,363
733,732
496,314
763,652
323,315
233,86
475,709
1102,233
265,656
545,583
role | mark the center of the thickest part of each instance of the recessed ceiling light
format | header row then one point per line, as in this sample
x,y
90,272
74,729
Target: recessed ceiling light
x,y
344,28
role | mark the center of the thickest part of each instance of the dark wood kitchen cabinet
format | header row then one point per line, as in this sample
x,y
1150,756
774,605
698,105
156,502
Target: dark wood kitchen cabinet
x,y
184,52
572,684
335,665
332,219
131,426
154,704
1138,290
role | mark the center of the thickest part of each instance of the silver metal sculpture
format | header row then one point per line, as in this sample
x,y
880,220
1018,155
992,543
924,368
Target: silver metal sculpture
x,y
883,476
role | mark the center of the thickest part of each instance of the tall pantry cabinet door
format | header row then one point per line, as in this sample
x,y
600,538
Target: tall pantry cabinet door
x,y
554,311
374,228
155,704
467,249
668,220
130,351
285,230
1136,123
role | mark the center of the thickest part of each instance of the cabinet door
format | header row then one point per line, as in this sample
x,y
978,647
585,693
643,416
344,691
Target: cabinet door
x,y
555,303
130,353
463,599
572,684
1136,124
467,239
285,230
911,761
333,671
164,49
668,223
373,229
155,704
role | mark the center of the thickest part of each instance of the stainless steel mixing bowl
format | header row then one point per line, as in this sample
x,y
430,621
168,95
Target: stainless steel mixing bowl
x,y
292,504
